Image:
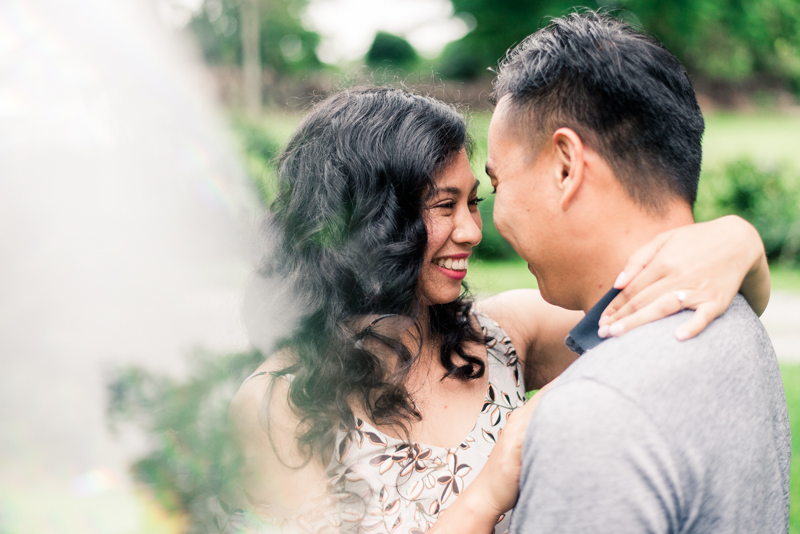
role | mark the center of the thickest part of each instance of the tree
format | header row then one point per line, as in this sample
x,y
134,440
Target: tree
x,y
284,45
391,50
718,40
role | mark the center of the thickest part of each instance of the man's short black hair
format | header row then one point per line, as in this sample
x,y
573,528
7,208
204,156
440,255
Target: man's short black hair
x,y
621,91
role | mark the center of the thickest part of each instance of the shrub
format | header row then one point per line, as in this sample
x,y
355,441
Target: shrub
x,y
492,246
767,197
193,463
260,150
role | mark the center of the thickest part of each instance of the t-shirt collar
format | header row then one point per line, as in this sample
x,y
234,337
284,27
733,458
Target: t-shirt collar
x,y
584,336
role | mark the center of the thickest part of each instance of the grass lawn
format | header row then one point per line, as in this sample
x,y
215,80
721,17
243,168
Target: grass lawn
x,y
491,277
791,383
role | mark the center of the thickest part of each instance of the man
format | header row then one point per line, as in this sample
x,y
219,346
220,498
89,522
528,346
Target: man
x,y
594,148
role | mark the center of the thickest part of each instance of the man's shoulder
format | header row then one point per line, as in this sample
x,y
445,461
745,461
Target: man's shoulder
x,y
734,342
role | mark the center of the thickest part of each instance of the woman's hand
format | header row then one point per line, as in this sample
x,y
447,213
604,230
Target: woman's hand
x,y
502,470
700,267
496,488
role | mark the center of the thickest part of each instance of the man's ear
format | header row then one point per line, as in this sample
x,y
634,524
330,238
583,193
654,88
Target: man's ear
x,y
569,158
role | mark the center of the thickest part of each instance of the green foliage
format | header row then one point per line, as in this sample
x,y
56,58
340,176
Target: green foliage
x,y
260,150
388,50
721,40
193,463
492,246
285,45
791,384
765,196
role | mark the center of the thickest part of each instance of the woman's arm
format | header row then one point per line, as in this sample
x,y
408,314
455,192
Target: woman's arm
x,y
710,262
537,330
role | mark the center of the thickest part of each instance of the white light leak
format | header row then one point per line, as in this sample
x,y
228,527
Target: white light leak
x,y
124,229
348,27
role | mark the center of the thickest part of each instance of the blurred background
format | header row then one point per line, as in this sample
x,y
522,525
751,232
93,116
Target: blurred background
x,y
137,154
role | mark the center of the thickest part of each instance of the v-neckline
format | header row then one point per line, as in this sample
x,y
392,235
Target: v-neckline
x,y
423,446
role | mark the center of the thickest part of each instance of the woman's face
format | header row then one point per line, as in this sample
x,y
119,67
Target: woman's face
x,y
454,228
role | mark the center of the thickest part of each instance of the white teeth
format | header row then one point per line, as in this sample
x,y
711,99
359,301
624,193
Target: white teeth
x,y
455,265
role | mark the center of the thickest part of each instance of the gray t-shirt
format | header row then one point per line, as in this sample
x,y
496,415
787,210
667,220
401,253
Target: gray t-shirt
x,y
645,433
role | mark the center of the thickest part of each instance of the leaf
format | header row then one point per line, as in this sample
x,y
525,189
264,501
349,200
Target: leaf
x,y
458,484
416,490
488,436
433,509
495,417
430,481
444,479
463,470
424,454
378,459
392,508
350,516
407,469
486,406
492,393
397,522
386,465
448,490
507,399
375,439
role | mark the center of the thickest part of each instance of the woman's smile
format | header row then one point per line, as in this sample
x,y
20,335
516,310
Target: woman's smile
x,y
454,266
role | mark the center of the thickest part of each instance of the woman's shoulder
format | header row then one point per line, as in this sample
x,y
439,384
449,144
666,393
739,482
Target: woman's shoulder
x,y
513,312
266,428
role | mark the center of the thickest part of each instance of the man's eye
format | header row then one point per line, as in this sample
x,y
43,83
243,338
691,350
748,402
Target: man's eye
x,y
494,190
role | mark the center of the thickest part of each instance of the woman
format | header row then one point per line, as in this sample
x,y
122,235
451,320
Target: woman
x,y
381,410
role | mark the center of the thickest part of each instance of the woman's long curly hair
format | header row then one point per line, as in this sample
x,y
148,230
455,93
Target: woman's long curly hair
x,y
348,217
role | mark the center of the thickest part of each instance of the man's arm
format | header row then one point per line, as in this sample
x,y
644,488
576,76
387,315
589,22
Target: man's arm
x,y
593,461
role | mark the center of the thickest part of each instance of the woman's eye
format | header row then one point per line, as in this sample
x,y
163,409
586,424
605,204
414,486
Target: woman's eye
x,y
447,205
475,201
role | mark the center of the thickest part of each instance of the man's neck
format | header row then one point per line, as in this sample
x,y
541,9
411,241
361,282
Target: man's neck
x,y
623,235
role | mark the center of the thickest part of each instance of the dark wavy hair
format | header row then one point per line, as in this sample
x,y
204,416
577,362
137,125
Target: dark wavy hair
x,y
351,239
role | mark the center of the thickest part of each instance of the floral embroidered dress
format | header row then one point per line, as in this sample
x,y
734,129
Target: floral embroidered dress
x,y
382,484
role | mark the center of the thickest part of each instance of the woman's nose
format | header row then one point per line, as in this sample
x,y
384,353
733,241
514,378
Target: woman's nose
x,y
468,229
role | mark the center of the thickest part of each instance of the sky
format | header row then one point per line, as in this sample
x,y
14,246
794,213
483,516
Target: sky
x,y
347,27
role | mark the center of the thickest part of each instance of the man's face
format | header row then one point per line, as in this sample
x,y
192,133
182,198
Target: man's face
x,y
526,204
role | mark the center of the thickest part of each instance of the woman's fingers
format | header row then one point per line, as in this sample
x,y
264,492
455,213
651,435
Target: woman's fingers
x,y
639,260
661,307
642,291
639,273
665,305
703,315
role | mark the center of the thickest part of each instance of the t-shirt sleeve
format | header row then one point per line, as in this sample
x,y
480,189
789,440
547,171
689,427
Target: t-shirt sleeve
x,y
594,462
